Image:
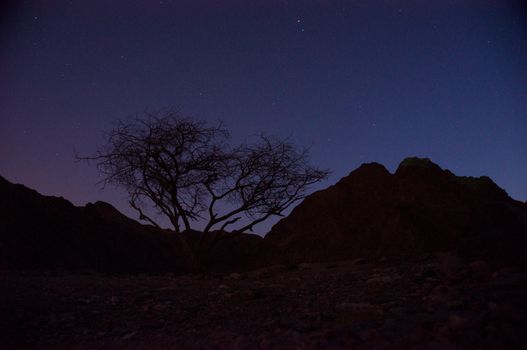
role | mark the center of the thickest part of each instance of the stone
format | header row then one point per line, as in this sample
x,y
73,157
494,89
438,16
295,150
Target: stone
x,y
235,276
129,335
364,309
449,264
479,270
383,279
457,322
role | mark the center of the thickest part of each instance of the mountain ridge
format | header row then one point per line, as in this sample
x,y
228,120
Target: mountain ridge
x,y
419,209
49,232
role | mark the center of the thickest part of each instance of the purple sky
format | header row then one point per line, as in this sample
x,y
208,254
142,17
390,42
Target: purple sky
x,y
359,81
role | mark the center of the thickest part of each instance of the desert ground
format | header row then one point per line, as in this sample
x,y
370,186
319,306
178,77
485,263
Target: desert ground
x,y
437,302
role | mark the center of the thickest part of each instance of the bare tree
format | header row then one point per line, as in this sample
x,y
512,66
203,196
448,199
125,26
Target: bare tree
x,y
264,179
188,171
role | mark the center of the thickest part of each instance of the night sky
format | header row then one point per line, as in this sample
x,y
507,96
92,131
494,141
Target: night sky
x,y
358,81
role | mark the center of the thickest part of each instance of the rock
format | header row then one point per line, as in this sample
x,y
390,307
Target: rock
x,y
457,322
374,289
357,307
161,306
129,335
294,322
305,266
359,261
383,279
428,272
84,301
235,276
492,306
101,334
449,264
479,270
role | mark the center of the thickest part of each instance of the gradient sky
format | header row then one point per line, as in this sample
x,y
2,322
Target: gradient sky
x,y
359,81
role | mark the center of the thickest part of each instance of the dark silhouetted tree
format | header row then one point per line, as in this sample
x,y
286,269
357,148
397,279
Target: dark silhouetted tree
x,y
189,172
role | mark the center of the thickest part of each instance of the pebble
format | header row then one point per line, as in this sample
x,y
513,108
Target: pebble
x,y
449,264
383,279
457,322
129,335
355,307
479,270
235,276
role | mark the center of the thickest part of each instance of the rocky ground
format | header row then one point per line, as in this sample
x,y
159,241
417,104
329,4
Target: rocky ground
x,y
436,303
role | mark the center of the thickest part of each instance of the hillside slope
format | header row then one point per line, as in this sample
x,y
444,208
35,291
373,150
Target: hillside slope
x,y
418,210
46,232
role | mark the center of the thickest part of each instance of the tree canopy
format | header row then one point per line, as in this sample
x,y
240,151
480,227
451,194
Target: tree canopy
x,y
188,171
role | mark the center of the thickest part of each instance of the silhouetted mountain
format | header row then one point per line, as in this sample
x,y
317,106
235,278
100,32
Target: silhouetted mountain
x,y
45,232
418,210
38,231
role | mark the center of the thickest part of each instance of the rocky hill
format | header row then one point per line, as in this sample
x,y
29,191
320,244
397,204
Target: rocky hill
x,y
45,232
420,209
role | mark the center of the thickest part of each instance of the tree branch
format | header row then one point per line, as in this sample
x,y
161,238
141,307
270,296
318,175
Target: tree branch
x,y
230,222
142,215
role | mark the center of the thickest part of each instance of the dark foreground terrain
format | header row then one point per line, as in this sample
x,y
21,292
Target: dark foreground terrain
x,y
435,303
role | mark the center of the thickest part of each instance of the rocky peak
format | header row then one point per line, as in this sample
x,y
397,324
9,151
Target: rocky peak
x,y
368,174
418,210
419,167
370,170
